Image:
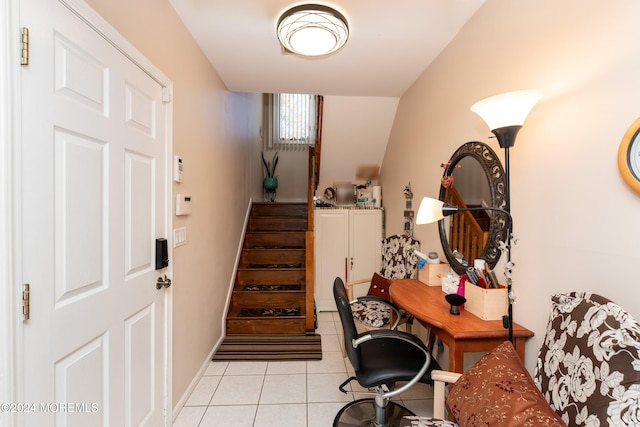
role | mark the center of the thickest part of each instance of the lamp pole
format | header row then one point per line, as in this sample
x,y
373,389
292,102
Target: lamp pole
x,y
506,138
508,242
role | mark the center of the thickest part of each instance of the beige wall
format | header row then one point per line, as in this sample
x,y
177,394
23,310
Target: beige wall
x,y
355,132
292,173
576,220
216,132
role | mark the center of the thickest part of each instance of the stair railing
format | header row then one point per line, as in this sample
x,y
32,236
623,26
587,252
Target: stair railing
x,y
465,233
309,242
312,184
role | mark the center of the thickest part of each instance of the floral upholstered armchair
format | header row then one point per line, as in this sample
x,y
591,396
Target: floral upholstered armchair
x,y
399,261
587,374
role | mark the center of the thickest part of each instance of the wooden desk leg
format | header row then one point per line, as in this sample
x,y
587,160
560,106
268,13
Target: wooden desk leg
x,y
431,339
456,358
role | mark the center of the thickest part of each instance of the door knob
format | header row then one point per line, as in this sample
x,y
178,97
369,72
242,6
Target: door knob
x,y
163,282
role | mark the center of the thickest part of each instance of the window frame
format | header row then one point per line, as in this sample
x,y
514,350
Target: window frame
x,y
305,130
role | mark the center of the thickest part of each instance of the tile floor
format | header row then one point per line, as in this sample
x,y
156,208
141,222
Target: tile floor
x,y
281,393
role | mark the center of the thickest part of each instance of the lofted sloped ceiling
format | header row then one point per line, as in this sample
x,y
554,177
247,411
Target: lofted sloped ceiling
x,y
391,43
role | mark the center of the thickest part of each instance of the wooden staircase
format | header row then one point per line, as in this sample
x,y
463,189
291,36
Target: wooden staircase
x,y
482,218
267,316
468,232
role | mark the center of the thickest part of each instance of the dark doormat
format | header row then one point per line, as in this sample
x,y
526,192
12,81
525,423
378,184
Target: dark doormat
x,y
270,347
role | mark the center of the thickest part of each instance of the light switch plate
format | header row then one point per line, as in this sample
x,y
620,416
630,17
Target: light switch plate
x,y
179,237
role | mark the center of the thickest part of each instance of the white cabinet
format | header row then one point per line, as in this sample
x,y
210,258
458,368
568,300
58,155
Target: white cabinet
x,y
348,244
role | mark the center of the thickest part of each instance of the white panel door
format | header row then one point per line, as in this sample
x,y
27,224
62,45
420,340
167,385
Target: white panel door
x,y
365,244
94,200
331,250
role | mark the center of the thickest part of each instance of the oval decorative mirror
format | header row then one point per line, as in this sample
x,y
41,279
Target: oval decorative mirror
x,y
477,180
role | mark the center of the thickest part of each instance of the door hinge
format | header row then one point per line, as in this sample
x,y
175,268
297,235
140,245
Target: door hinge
x,y
26,296
24,56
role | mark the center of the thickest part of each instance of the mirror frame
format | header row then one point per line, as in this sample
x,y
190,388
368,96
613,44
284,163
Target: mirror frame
x,y
495,175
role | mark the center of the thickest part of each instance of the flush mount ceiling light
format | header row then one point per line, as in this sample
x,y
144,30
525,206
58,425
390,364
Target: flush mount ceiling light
x,y
312,30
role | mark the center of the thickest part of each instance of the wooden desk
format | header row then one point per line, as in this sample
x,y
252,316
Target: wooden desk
x,y
463,333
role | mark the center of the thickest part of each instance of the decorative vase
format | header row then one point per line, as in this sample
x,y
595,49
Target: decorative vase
x,y
270,184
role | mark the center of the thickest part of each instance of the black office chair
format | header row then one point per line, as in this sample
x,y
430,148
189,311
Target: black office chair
x,y
380,358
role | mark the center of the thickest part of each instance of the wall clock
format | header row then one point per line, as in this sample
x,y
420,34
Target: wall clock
x,y
629,156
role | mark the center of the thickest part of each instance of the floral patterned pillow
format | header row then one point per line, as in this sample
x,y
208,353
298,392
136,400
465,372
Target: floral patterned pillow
x,y
498,391
589,365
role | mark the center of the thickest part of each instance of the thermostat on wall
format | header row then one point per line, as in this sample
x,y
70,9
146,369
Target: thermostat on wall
x,y
183,204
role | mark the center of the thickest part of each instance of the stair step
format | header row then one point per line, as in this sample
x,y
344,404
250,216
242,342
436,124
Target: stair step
x,y
279,209
266,325
273,287
275,240
270,347
267,276
482,218
270,311
265,312
273,266
277,223
273,300
273,258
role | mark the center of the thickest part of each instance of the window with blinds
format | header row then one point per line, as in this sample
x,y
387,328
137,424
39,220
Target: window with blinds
x,y
291,121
